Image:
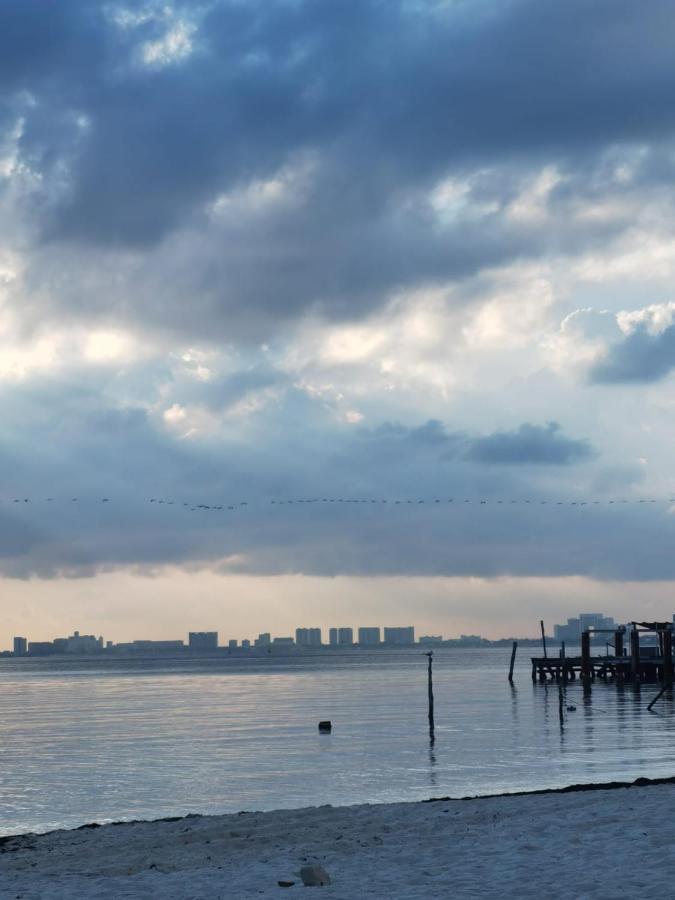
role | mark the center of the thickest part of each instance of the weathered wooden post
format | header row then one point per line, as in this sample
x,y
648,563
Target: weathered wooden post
x,y
668,655
564,662
430,687
543,638
618,652
658,696
513,660
561,715
635,653
586,655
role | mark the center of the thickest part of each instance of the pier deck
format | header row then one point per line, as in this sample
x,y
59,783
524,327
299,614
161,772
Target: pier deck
x,y
653,663
606,668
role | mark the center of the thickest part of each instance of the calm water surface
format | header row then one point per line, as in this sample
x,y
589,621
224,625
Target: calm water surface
x,y
82,741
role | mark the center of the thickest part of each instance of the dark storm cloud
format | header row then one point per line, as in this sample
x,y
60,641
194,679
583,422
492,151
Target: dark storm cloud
x,y
72,443
530,444
527,445
381,99
640,357
415,90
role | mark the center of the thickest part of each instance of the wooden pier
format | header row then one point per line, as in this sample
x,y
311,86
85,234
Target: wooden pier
x,y
633,664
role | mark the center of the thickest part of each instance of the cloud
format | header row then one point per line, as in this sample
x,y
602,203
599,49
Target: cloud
x,y
646,353
77,436
70,442
530,444
290,250
229,169
640,358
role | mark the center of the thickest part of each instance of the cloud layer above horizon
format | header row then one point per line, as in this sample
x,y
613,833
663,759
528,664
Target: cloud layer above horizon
x,y
292,249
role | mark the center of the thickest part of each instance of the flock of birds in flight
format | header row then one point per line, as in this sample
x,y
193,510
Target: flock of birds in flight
x,y
194,507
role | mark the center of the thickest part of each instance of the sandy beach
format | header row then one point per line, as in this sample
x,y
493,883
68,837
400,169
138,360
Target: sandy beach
x,y
582,844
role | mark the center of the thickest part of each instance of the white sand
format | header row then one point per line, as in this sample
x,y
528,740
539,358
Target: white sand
x,y
599,844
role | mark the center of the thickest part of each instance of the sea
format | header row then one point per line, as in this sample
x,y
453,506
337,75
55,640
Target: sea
x,y
108,739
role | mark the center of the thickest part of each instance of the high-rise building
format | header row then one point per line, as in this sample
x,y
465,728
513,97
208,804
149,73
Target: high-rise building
x,y
369,637
232,644
203,640
588,621
79,643
345,637
571,632
40,648
263,640
400,636
246,644
20,646
149,646
431,640
333,636
308,637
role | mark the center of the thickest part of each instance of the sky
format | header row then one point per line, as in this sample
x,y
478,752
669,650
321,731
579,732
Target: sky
x,y
261,251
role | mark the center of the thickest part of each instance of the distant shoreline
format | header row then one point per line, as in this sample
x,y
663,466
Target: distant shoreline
x,y
267,652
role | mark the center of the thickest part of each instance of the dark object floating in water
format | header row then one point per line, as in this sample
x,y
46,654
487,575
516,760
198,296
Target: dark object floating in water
x,y
285,883
325,727
571,709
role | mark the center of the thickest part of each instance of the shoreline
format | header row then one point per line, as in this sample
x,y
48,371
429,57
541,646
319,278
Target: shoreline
x,y
470,847
580,787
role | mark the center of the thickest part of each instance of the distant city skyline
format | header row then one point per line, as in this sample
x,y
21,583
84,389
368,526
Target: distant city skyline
x,y
207,642
308,637
199,641
172,602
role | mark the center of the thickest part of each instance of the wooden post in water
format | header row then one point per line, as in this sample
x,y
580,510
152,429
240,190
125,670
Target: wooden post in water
x,y
586,655
430,686
618,651
513,660
564,663
668,655
543,638
635,653
561,715
658,696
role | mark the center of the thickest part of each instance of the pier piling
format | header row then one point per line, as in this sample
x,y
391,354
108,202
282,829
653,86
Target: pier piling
x,y
513,660
565,671
430,690
635,653
668,655
586,668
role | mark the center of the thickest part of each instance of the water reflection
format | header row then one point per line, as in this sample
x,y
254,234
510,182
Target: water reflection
x,y
433,780
79,745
